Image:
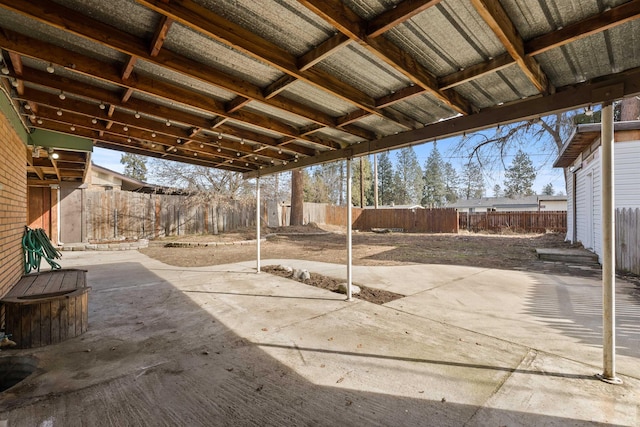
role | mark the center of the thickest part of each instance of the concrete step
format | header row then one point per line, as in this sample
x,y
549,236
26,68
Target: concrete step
x,y
574,256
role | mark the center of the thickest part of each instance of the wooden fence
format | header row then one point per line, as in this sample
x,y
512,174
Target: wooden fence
x,y
628,240
123,214
410,220
520,222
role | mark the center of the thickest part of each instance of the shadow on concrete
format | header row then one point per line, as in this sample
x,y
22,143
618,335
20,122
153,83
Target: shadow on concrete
x,y
432,362
575,309
152,356
260,296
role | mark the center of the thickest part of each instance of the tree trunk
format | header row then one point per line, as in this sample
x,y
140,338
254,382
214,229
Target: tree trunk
x,y
297,198
630,109
361,183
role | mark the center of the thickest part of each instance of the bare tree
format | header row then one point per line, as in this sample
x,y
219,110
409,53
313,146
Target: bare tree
x,y
543,135
202,185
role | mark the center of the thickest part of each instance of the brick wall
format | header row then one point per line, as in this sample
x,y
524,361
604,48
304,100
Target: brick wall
x,y
13,205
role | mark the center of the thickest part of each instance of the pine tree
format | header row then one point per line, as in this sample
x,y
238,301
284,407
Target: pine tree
x,y
367,180
385,180
135,166
520,176
433,190
497,191
451,183
548,190
407,178
472,181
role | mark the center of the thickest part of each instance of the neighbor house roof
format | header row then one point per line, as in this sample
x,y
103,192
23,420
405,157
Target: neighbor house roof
x,y
135,185
503,202
266,86
583,136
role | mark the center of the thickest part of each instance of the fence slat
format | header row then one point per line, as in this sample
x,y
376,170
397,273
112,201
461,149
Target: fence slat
x,y
520,221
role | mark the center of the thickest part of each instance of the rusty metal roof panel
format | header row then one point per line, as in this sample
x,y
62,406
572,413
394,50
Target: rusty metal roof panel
x,y
359,68
285,23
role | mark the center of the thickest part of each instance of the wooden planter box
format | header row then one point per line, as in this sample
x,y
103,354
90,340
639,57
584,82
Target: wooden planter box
x,y
47,308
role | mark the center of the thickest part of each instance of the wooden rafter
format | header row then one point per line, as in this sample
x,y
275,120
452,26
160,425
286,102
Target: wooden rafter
x,y
603,89
350,24
110,73
498,20
215,26
81,114
16,62
114,38
160,36
595,24
400,13
321,52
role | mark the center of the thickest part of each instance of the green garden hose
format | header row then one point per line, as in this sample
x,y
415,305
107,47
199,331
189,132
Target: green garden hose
x,y
36,246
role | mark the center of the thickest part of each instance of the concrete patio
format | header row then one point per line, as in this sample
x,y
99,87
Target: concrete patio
x,y
225,346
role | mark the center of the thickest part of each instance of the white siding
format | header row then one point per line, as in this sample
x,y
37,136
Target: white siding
x,y
553,205
627,190
627,174
570,179
586,201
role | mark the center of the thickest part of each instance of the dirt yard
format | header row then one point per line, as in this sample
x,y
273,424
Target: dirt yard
x,y
328,244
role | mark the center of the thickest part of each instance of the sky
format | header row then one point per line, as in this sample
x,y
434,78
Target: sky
x,y
543,162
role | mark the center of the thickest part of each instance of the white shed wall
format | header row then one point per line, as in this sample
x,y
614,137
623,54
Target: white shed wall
x,y
627,193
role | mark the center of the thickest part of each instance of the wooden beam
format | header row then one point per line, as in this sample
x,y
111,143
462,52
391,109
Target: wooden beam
x,y
400,13
594,24
236,103
128,67
278,86
324,50
475,71
74,22
160,36
399,95
16,62
498,20
127,94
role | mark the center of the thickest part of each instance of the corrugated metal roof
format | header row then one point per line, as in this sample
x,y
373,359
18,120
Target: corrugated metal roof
x,y
312,77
